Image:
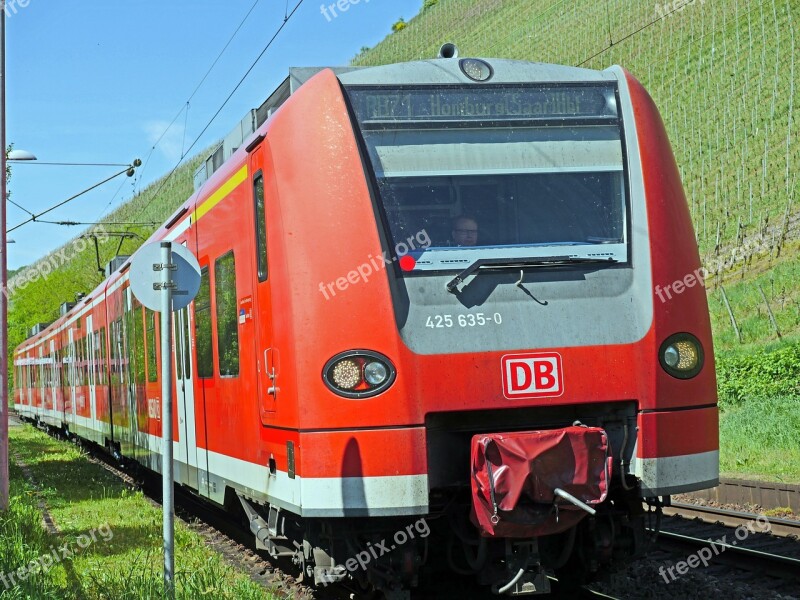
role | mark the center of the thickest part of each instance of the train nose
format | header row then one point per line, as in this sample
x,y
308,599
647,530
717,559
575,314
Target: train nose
x,y
533,483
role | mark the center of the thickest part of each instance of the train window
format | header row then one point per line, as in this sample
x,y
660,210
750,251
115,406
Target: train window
x,y
177,345
535,168
202,327
137,331
152,341
100,356
227,321
261,226
78,363
116,351
187,356
87,358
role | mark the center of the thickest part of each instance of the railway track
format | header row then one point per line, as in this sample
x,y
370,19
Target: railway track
x,y
732,518
731,544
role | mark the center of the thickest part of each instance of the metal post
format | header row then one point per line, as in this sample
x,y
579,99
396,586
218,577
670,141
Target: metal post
x,y
166,419
3,273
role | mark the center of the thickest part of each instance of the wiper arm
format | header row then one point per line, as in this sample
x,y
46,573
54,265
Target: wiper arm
x,y
536,261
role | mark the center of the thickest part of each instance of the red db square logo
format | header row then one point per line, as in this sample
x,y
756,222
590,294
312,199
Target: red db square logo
x,y
532,375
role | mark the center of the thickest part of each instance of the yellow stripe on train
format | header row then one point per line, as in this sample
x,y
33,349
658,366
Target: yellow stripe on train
x,y
226,188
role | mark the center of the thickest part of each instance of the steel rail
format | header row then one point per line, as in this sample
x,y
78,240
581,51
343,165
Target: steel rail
x,y
732,518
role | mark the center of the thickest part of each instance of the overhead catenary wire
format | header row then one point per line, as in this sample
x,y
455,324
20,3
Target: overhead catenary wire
x,y
252,66
109,223
34,217
185,105
19,206
636,32
65,164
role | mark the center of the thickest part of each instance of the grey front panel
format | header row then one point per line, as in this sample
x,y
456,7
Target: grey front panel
x,y
555,308
577,306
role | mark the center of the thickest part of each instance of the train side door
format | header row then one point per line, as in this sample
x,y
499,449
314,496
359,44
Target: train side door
x,y
52,379
91,358
268,358
184,386
70,400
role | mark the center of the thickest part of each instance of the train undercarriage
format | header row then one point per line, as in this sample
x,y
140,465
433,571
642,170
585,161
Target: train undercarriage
x,y
572,541
394,556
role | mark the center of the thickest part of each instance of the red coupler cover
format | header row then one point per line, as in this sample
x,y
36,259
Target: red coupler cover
x,y
514,476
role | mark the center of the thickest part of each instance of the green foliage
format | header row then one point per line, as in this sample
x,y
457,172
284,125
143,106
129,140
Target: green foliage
x,y
400,25
758,438
8,167
743,378
126,565
429,4
24,540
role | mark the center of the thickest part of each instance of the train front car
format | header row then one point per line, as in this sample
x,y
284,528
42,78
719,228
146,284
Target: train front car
x,y
501,342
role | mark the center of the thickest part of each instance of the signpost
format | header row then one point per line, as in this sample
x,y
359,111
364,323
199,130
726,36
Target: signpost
x,y
165,279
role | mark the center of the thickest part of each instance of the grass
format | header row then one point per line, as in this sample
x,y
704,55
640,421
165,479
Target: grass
x,y
758,439
125,561
24,540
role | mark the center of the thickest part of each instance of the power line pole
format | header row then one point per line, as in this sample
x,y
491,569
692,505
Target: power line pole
x,y
4,475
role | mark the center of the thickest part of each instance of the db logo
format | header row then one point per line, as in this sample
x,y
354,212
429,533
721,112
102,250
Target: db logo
x,y
532,375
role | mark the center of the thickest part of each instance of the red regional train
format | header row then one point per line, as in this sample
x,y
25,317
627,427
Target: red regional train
x,y
430,331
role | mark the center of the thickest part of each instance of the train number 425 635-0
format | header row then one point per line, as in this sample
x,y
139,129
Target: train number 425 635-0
x,y
468,320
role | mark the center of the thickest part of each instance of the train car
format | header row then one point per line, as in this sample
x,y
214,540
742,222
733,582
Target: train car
x,y
451,313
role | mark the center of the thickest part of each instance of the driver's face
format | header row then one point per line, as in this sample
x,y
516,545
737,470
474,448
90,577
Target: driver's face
x,y
465,232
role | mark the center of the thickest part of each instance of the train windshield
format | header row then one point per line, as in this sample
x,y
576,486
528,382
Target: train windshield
x,y
465,173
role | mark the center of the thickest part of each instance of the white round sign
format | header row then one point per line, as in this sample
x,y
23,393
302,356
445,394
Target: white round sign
x,y
146,271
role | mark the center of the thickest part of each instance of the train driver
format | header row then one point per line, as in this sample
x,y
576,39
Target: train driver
x,y
465,231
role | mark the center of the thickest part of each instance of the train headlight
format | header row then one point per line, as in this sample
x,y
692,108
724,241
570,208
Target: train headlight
x,y
681,355
476,69
375,373
358,374
346,374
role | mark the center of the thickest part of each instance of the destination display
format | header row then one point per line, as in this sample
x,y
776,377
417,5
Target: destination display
x,y
496,103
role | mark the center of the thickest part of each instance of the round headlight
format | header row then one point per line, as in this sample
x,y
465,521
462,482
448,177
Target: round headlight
x,y
681,355
476,69
672,356
358,374
346,374
375,373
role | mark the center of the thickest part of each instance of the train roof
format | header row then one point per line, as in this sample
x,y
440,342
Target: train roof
x,y
439,71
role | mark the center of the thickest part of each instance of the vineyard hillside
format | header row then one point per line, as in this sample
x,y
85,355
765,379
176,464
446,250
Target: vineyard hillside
x,y
723,73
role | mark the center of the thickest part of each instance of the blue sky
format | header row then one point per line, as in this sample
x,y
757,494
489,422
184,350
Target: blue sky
x,y
100,80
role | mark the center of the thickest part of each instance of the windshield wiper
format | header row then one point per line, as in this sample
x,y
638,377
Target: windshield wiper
x,y
536,261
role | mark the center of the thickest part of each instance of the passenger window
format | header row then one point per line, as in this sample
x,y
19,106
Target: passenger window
x,y
152,365
138,345
227,323
101,357
261,227
187,357
202,327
